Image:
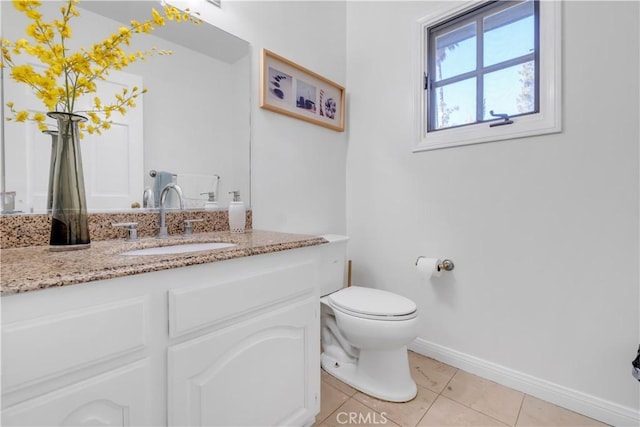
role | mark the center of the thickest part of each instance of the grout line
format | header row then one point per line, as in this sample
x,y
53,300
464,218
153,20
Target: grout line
x,y
373,409
520,409
476,410
473,409
429,408
450,379
345,402
469,407
331,413
334,387
387,416
337,409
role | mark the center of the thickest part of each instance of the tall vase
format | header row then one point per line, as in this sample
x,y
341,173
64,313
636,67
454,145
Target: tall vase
x,y
69,221
52,166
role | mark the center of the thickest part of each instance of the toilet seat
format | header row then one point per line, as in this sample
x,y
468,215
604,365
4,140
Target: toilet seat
x,y
369,303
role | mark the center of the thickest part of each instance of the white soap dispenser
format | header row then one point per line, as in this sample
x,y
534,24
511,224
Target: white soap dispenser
x,y
210,204
237,213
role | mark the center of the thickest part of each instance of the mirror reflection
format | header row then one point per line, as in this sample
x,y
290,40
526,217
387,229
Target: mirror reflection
x,y
192,127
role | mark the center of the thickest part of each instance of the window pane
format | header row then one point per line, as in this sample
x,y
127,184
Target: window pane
x,y
510,90
455,52
509,34
455,104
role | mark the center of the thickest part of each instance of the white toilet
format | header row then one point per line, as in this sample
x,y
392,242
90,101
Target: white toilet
x,y
365,331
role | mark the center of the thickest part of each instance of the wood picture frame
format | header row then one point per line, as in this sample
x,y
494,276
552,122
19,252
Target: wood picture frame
x,y
290,89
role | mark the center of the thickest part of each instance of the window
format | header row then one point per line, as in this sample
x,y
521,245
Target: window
x,y
482,64
490,72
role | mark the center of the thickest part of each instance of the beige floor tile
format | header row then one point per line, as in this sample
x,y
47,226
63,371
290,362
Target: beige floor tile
x,y
345,388
330,399
495,400
430,373
536,412
355,414
406,414
446,412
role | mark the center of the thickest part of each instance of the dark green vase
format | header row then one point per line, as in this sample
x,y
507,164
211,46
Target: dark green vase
x,y
69,220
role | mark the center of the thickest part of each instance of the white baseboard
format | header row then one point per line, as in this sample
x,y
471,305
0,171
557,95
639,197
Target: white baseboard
x,y
588,405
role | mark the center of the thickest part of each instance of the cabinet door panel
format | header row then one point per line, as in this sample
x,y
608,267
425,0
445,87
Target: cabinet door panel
x,y
115,398
70,340
270,361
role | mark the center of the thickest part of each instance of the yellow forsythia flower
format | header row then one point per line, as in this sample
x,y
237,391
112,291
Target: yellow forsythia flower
x,y
22,116
67,75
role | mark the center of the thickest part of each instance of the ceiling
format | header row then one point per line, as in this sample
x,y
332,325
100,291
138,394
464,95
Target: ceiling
x,y
204,38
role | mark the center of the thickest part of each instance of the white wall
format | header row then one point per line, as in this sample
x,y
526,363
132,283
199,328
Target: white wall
x,y
297,168
543,230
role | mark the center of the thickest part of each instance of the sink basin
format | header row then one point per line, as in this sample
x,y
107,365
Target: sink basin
x,y
179,249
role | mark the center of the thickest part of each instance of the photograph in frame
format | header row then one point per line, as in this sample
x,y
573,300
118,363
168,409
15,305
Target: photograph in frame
x,y
290,89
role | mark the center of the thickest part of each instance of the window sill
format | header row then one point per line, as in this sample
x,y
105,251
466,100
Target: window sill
x,y
531,125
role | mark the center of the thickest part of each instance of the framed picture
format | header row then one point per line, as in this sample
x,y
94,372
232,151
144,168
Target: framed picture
x,y
290,89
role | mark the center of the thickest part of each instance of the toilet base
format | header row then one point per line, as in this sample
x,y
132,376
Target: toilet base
x,y
382,374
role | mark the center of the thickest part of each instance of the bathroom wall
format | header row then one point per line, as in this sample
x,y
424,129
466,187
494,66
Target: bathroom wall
x,y
543,230
297,168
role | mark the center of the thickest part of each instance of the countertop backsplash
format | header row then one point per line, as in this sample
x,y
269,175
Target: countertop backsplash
x,y
19,231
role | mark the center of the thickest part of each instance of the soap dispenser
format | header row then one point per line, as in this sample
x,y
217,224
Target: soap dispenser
x,y
237,213
211,203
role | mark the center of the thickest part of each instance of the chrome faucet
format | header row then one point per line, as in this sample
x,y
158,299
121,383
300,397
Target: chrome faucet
x,y
162,231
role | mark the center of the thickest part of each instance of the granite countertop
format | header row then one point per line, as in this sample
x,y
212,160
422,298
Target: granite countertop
x,y
36,267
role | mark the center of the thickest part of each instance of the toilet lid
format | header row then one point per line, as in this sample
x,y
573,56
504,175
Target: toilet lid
x,y
372,302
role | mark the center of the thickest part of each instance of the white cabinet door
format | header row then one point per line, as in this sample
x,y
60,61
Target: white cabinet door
x,y
82,356
116,398
261,371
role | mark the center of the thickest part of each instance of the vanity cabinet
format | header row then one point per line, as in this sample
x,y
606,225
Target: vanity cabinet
x,y
227,343
75,356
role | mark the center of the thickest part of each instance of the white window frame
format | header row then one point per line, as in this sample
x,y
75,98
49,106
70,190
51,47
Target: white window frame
x,y
547,120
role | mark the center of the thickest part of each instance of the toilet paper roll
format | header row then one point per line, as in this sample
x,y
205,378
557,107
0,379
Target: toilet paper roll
x,y
428,267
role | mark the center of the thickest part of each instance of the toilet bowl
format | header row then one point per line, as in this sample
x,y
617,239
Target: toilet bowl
x,y
365,333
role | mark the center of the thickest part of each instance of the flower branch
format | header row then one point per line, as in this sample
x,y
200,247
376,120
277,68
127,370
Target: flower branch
x,y
67,76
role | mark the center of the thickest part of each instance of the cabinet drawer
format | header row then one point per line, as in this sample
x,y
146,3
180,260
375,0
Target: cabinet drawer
x,y
45,347
219,299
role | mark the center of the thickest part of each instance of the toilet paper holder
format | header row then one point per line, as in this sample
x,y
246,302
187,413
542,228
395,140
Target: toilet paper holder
x,y
446,264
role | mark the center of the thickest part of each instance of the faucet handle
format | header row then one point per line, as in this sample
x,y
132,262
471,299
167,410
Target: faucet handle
x,y
148,198
188,226
132,232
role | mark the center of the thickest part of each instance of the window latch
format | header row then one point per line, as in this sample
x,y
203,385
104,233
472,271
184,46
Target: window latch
x,y
505,117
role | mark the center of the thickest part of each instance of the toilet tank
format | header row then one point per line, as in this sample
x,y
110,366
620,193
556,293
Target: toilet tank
x,y
333,264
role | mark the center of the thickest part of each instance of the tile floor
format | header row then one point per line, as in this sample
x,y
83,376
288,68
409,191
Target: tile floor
x,y
446,397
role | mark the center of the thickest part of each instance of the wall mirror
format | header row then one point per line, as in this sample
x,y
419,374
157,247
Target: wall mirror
x,y
193,123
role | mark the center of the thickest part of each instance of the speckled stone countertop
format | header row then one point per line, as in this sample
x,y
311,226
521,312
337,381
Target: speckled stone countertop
x,y
35,267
